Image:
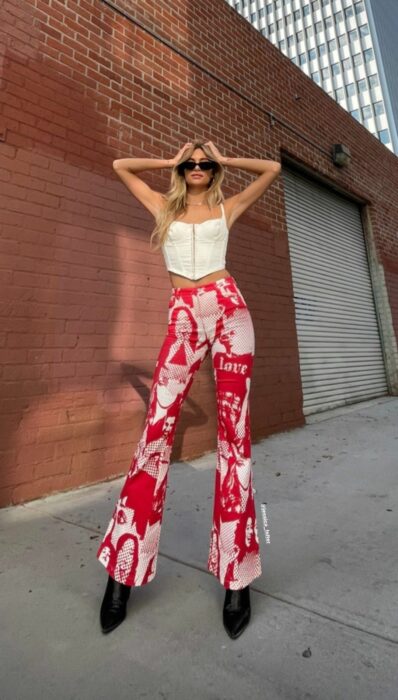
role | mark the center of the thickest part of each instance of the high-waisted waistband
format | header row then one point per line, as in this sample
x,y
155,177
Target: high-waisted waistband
x,y
211,300
204,287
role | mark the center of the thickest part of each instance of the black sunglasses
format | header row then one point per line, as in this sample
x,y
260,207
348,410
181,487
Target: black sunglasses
x,y
190,165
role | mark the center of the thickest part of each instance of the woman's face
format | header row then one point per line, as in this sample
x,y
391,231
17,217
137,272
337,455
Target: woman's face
x,y
198,178
249,531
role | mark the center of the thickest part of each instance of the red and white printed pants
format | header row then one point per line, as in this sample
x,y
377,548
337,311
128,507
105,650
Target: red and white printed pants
x,y
211,317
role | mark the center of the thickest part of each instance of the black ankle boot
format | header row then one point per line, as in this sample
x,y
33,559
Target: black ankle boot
x,y
236,611
113,608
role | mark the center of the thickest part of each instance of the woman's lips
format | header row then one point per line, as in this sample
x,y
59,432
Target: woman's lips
x,y
198,176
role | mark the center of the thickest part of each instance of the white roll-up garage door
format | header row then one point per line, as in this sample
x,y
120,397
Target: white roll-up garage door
x,y
341,358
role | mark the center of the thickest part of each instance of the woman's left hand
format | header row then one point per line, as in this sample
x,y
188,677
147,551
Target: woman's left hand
x,y
217,155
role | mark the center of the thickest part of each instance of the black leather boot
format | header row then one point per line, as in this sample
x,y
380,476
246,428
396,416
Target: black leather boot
x,y
236,611
113,608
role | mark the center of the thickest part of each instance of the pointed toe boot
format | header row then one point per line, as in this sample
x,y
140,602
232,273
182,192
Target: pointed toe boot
x,y
113,608
236,611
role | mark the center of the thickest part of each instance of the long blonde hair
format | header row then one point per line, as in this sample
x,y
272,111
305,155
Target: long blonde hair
x,y
176,196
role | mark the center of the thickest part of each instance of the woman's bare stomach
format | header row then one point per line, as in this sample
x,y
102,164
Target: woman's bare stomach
x,y
179,281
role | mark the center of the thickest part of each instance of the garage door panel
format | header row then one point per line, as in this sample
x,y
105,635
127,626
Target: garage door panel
x,y
340,351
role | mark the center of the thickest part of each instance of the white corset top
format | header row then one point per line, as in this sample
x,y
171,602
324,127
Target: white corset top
x,y
195,250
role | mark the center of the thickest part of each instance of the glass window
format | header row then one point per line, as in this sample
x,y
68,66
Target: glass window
x,y
346,64
363,30
288,19
271,28
359,7
302,59
325,2
373,80
353,35
296,14
261,13
343,40
315,5
318,27
357,59
309,31
338,17
384,136
306,10
355,113
312,54
316,77
362,85
328,22
339,93
325,73
279,24
332,45
348,12
300,35
379,108
322,49
350,89
253,16
269,9
278,4
367,112
368,55
290,40
336,70
282,44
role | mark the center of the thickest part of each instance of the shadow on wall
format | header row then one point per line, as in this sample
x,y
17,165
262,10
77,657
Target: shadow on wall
x,y
82,294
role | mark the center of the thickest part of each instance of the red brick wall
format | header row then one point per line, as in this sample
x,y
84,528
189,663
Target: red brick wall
x,y
83,301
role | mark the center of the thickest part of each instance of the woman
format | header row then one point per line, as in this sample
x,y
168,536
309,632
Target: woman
x,y
206,313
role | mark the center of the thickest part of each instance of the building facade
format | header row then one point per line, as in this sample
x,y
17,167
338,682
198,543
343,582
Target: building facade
x,y
83,298
348,47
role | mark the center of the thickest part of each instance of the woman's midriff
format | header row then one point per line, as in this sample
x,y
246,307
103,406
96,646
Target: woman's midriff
x,y
179,281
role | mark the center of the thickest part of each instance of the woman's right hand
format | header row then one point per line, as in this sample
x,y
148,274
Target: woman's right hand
x,y
177,158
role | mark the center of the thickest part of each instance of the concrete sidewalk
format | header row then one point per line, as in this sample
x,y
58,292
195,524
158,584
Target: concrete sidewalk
x,y
329,585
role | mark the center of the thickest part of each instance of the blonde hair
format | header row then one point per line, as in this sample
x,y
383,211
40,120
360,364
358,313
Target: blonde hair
x,y
176,196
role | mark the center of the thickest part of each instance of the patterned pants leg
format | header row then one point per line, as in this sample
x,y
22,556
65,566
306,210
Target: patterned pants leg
x,y
213,317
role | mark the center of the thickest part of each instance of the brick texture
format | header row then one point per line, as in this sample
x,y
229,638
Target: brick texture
x,y
83,301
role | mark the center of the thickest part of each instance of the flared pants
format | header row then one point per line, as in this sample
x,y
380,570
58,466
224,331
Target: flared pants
x,y
211,318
